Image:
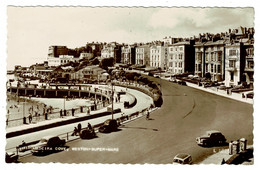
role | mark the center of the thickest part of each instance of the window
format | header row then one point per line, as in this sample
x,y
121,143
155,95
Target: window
x,y
219,68
232,76
232,52
219,56
199,67
232,63
212,68
251,64
176,64
206,67
215,68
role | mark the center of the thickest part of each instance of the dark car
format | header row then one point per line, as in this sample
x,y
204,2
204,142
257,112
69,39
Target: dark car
x,y
150,74
109,125
181,82
11,157
212,137
250,95
87,134
48,144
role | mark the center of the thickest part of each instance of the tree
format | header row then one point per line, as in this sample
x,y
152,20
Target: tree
x,y
106,62
95,61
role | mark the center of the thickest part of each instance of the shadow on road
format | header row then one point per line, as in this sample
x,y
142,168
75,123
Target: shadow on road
x,y
123,126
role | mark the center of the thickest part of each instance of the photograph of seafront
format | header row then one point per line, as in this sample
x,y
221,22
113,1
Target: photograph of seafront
x,y
130,85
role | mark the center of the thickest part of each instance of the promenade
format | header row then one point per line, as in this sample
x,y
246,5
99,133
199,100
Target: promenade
x,y
143,102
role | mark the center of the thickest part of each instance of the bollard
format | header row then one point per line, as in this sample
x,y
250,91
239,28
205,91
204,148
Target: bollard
x,y
242,144
230,148
235,147
81,109
24,120
72,112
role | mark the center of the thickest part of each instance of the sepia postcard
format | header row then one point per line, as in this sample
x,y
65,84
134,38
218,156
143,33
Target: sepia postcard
x,y
130,85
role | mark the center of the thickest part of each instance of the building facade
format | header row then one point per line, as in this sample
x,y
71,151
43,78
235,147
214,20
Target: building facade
x,y
56,51
199,59
215,60
142,55
157,56
233,64
181,57
85,55
112,50
128,54
249,63
61,60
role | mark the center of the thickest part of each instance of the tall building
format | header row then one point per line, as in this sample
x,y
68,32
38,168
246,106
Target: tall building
x,y
249,63
239,63
181,57
142,55
157,56
215,60
56,51
128,54
112,49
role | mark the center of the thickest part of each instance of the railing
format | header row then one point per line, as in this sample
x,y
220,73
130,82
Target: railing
x,y
25,148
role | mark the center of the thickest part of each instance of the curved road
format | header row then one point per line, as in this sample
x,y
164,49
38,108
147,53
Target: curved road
x,y
185,114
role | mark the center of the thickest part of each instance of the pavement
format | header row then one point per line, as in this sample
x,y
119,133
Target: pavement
x,y
143,102
223,154
214,90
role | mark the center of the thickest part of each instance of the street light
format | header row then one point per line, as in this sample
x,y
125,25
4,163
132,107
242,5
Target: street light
x,y
112,101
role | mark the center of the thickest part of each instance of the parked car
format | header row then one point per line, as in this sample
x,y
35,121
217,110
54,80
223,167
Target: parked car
x,y
150,74
182,158
250,95
87,134
211,137
11,157
48,144
109,125
181,82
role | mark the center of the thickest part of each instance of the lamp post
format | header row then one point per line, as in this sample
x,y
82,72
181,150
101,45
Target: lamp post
x,y
64,102
112,101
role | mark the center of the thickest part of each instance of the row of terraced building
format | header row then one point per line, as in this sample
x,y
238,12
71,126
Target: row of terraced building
x,y
227,57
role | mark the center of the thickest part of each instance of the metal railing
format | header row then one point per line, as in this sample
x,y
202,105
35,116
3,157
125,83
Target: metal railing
x,y
25,148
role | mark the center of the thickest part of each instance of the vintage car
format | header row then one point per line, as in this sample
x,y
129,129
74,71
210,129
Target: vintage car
x,y
182,158
108,126
48,144
87,134
211,137
11,157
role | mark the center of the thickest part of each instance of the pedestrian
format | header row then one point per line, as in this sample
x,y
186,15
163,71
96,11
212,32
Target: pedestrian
x,y
88,111
89,126
75,132
30,117
79,127
147,115
72,111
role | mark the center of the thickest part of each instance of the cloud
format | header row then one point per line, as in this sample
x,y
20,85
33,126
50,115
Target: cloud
x,y
210,18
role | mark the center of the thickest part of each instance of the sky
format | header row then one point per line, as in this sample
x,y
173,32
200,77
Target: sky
x,y
31,30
